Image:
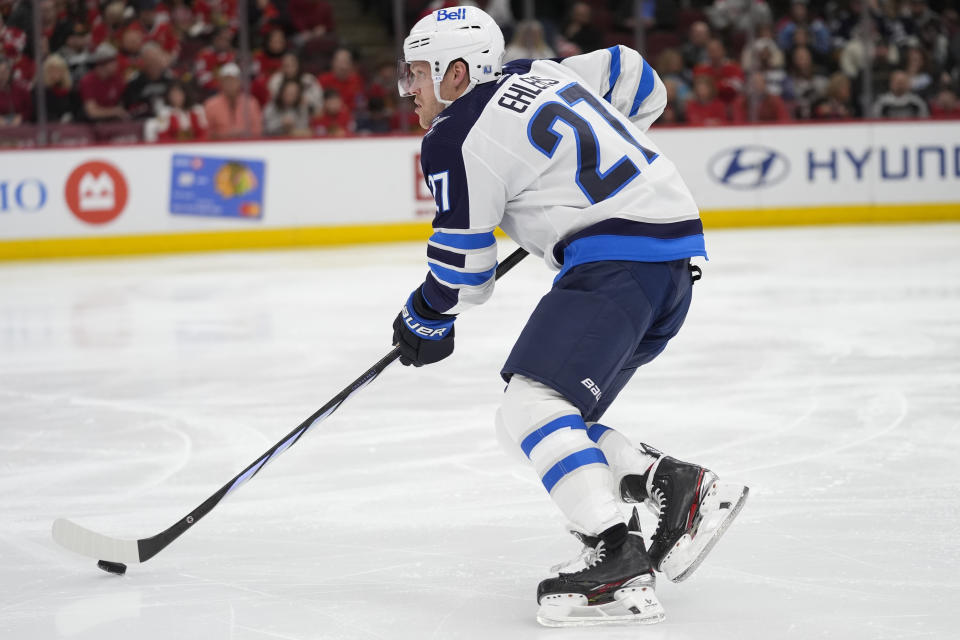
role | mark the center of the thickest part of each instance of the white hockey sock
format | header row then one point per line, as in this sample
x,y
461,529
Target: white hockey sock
x,y
623,458
549,431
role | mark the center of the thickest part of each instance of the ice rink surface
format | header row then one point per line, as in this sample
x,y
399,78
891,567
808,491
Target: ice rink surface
x,y
821,366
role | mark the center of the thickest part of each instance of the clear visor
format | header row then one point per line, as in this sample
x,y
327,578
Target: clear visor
x,y
410,76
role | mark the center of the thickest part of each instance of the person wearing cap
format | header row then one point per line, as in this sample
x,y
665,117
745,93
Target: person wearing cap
x,y
101,89
230,113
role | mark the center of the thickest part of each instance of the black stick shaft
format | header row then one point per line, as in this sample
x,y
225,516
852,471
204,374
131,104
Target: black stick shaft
x,y
149,547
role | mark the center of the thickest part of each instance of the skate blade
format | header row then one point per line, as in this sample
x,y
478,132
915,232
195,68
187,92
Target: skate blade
x,y
635,605
718,510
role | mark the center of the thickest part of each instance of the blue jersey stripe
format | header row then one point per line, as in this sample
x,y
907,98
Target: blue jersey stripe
x,y
595,432
571,463
572,421
644,89
458,277
632,248
624,227
614,70
464,240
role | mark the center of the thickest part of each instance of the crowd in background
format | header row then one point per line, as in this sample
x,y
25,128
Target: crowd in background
x,y
171,69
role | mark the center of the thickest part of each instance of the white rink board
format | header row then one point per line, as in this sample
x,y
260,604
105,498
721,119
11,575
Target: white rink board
x,y
319,183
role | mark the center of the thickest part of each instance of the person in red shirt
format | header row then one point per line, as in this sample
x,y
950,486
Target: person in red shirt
x,y
344,78
268,60
945,105
16,105
106,27
156,25
210,59
704,108
310,18
334,120
769,107
727,75
101,89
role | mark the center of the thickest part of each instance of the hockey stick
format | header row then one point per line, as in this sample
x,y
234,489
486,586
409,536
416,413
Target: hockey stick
x,y
113,552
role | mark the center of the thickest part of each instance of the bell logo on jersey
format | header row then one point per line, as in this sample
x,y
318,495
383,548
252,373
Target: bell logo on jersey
x,y
592,386
451,14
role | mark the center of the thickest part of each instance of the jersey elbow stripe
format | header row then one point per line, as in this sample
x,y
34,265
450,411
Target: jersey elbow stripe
x,y
451,277
644,89
614,70
572,421
464,240
447,257
571,463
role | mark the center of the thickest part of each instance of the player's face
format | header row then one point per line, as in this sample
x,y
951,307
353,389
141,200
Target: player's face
x,y
427,105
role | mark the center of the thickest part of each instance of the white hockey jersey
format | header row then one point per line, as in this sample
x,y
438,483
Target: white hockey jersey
x,y
555,154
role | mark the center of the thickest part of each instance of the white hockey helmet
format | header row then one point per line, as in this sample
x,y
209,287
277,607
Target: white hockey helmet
x,y
445,35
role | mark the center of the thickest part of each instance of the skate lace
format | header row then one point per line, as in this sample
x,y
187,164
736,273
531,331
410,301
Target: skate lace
x,y
587,555
661,501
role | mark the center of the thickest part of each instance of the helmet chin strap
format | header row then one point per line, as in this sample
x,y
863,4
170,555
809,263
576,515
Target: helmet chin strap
x,y
447,103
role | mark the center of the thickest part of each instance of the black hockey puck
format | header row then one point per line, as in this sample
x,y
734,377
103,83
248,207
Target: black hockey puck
x,y
112,567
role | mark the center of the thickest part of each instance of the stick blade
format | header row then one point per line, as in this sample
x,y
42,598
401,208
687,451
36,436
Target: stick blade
x,y
94,545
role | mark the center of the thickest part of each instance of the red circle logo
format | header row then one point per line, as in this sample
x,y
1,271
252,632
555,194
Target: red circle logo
x,y
96,192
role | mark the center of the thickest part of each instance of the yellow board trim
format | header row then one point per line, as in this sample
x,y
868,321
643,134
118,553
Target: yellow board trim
x,y
363,234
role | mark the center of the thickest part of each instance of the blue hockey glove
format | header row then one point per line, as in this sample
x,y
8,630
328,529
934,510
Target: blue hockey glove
x,y
424,336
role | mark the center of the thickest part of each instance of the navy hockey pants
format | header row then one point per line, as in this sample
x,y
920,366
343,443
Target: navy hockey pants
x,y
598,323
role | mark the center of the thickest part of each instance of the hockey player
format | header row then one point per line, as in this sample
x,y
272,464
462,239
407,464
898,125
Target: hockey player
x,y
554,153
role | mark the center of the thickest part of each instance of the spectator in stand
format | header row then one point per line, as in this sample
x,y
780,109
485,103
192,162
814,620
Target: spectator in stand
x,y
377,118
268,59
764,56
758,101
345,79
726,74
230,113
673,112
704,108
945,105
63,103
128,57
822,41
311,19
528,43
580,30
287,115
900,102
155,20
804,87
801,40
854,58
76,50
48,21
669,66
108,25
13,40
731,16
146,89
918,69
694,50
212,58
309,87
16,105
178,118
334,120
837,104
101,89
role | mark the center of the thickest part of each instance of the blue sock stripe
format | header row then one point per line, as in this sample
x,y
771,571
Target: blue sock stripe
x,y
571,463
596,432
573,421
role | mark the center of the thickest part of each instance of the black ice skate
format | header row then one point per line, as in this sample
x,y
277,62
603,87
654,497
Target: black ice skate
x,y
694,509
616,587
